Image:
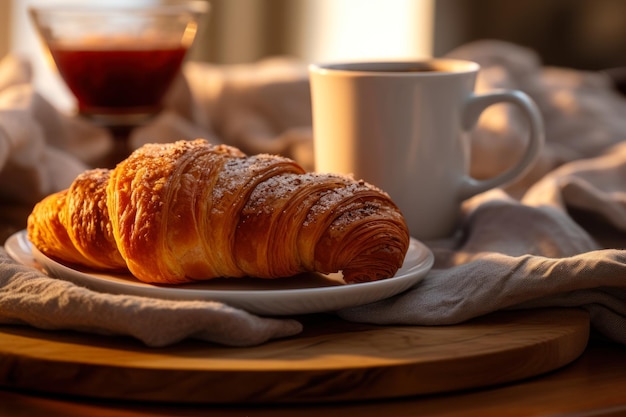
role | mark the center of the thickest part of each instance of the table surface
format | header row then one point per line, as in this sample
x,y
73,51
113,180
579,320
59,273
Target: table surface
x,y
332,360
592,385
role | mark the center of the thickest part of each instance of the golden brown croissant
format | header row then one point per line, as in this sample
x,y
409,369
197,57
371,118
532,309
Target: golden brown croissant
x,y
189,210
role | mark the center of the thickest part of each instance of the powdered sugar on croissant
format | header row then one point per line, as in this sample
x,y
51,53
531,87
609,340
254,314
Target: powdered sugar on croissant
x,y
189,210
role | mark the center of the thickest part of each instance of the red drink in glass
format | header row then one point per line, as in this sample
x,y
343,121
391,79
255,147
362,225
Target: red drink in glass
x,y
117,79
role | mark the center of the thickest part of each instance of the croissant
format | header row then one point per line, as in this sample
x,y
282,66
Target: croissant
x,y
188,210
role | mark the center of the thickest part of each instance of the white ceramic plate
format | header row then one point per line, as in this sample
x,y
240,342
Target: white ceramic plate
x,y
303,294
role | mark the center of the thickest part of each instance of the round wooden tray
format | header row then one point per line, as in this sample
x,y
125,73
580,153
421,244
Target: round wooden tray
x,y
332,360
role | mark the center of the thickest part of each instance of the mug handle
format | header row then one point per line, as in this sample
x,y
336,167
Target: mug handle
x,y
474,106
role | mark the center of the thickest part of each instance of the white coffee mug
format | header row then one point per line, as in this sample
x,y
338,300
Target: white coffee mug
x,y
403,126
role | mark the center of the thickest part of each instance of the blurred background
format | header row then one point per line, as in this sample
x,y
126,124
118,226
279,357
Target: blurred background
x,y
583,34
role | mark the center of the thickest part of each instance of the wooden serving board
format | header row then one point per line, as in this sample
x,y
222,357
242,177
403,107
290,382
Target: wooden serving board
x,y
332,360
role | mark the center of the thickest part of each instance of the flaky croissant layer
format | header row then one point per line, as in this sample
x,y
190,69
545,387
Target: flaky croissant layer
x,y
189,210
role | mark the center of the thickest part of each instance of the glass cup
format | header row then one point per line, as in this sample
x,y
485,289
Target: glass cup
x,y
118,61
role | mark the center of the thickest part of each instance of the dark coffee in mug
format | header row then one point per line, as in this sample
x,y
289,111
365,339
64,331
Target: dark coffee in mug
x,y
405,70
405,67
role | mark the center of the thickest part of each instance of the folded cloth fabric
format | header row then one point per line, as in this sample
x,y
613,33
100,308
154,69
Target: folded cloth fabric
x,y
41,149
583,113
513,254
29,297
32,129
554,238
263,107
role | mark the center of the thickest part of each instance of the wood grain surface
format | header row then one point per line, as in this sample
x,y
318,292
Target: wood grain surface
x,y
332,360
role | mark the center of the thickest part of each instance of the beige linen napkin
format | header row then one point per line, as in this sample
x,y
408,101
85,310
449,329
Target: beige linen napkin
x,y
513,254
29,297
41,149
33,129
583,114
262,107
